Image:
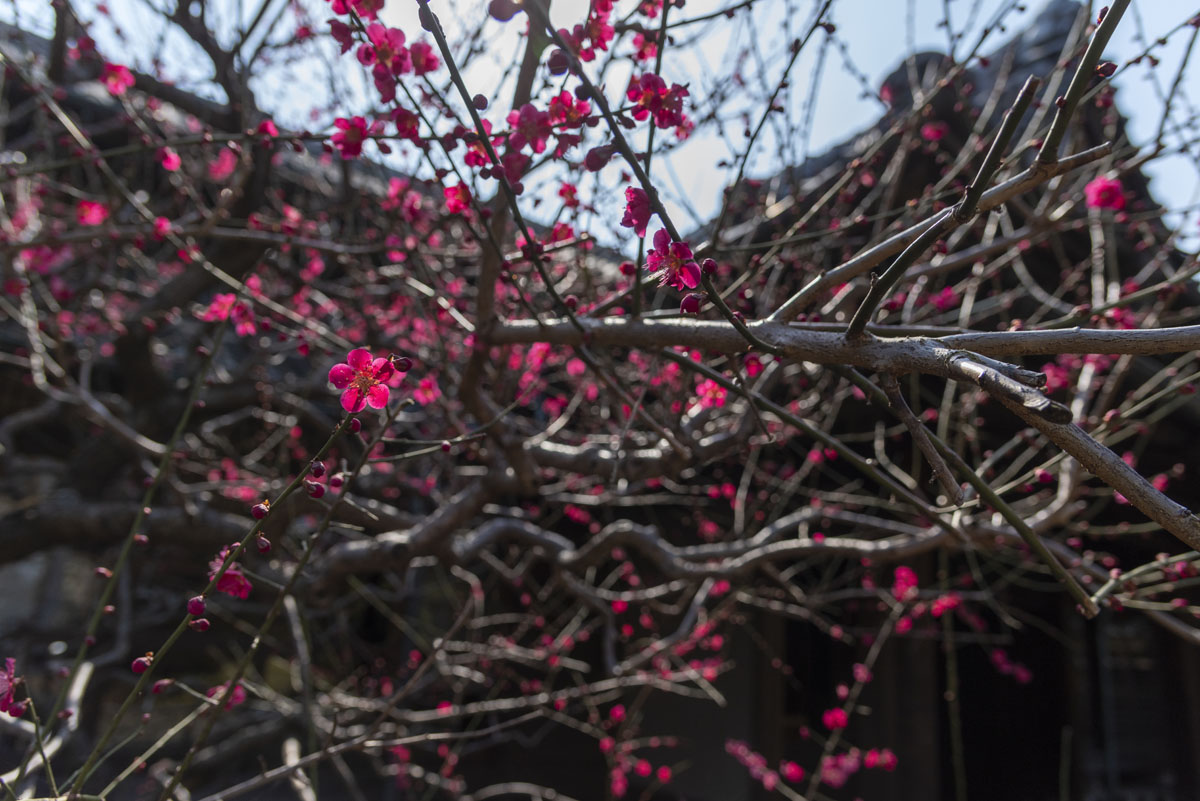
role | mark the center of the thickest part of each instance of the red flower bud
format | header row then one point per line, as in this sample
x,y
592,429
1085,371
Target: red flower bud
x,y
597,157
196,605
503,10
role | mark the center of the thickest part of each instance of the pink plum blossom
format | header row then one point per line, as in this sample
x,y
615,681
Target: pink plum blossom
x,y
674,260
363,379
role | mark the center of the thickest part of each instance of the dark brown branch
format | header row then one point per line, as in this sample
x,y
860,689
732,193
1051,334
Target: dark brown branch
x,y
1112,470
921,437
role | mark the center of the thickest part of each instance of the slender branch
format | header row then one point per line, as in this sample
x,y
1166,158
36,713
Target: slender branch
x,y
991,162
882,286
940,471
1112,470
949,220
1048,154
1013,392
1035,175
894,354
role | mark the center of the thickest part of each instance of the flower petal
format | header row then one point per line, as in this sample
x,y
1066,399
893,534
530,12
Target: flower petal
x,y
235,584
662,240
382,369
352,400
689,274
340,375
377,396
359,358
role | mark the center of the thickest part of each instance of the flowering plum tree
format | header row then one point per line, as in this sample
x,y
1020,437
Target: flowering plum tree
x,y
427,453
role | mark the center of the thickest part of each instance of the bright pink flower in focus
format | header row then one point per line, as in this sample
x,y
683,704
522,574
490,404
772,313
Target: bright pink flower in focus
x,y
117,79
1105,193
637,210
169,159
363,379
91,213
675,261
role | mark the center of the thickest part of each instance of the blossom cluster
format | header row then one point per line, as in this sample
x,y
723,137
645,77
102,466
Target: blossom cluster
x,y
594,34
651,97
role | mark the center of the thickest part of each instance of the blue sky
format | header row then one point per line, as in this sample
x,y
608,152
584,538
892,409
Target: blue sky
x,y
876,36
